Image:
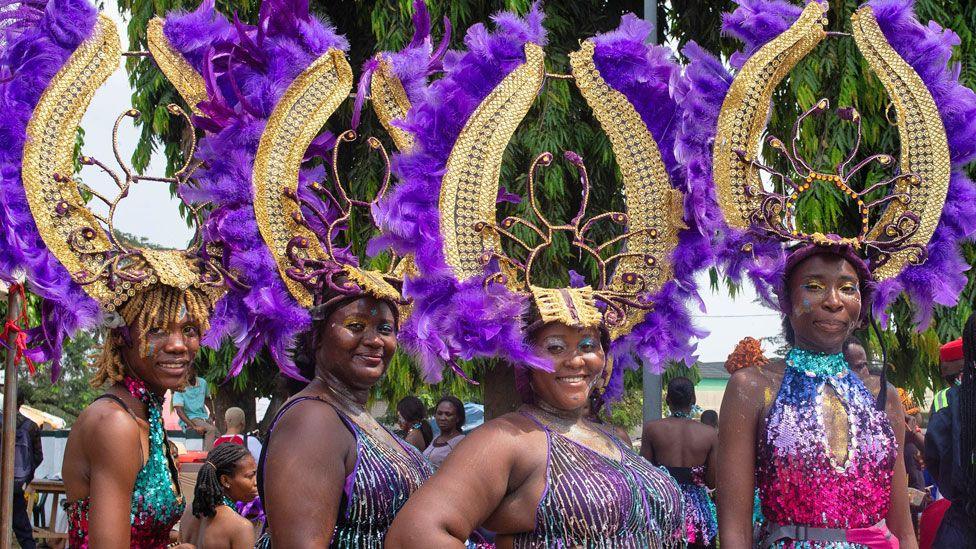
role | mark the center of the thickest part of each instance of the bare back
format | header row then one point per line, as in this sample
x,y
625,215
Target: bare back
x,y
225,530
681,442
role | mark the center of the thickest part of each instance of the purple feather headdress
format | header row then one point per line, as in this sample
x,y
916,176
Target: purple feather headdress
x,y
38,38
450,319
247,70
476,317
757,252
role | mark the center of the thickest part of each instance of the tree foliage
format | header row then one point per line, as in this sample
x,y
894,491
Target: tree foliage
x,y
836,70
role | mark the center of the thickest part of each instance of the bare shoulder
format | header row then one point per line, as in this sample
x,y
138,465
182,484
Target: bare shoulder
x,y
503,429
104,423
310,416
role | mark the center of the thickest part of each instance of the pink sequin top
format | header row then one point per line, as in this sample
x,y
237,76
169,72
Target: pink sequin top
x,y
799,481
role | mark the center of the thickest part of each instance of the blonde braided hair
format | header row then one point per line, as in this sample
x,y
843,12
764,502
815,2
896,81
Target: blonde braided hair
x,y
155,307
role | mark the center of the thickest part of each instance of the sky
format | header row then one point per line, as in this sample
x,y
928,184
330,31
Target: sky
x,y
150,211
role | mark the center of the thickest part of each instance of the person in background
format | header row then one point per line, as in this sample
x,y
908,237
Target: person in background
x,y
950,442
687,449
914,461
950,368
449,416
228,476
710,418
857,358
412,421
28,455
235,421
195,409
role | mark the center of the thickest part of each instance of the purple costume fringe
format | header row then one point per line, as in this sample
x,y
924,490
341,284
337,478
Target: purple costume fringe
x,y
247,70
928,49
39,40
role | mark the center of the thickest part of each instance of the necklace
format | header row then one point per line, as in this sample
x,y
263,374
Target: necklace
x,y
229,503
575,428
686,415
814,364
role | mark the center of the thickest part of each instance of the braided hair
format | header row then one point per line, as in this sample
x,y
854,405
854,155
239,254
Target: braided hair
x,y
967,414
208,493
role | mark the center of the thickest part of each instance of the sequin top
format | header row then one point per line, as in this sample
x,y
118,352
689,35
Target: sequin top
x,y
701,520
592,501
798,479
374,491
157,503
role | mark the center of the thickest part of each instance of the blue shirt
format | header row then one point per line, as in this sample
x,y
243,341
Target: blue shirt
x,y
192,400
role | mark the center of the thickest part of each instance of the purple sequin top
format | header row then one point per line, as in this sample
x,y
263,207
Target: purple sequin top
x,y
593,501
799,481
374,491
701,519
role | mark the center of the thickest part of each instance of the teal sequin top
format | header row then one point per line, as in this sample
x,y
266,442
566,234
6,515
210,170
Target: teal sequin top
x,y
157,503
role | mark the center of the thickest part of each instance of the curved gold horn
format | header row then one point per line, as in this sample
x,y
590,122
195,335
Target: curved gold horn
x,y
470,186
654,209
924,148
296,120
177,70
68,228
390,102
742,121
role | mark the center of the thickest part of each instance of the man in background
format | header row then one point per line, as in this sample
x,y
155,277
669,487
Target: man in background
x,y
950,367
28,455
194,408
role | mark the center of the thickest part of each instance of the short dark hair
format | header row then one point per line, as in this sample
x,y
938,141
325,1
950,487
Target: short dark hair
x,y
681,393
458,409
852,341
21,399
710,417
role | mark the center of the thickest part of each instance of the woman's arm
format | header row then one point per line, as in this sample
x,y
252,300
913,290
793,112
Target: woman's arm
x,y
736,472
465,491
304,475
711,469
899,519
114,451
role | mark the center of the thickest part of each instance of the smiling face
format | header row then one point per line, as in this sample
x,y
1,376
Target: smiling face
x,y
243,484
578,361
161,356
356,342
825,299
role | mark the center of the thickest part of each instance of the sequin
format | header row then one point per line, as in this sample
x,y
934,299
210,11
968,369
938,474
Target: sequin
x,y
798,479
593,502
157,503
701,520
375,490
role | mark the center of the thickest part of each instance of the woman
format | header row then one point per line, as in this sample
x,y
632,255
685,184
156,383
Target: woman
x,y
449,415
849,475
412,421
543,476
228,476
687,449
120,480
330,474
529,488
824,452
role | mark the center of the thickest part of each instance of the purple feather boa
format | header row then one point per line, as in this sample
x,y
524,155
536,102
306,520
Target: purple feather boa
x,y
37,47
242,94
452,320
643,73
928,49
